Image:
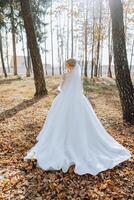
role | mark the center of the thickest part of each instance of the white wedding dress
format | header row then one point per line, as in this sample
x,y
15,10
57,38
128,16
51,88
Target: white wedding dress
x,y
73,135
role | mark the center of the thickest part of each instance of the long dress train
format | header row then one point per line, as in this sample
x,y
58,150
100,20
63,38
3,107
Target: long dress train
x,y
72,134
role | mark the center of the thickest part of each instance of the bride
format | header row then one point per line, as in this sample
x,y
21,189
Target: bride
x,y
73,135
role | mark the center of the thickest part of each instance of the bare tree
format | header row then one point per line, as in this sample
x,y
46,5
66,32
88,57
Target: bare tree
x,y
51,27
58,41
24,55
109,51
122,73
72,29
93,40
45,46
7,49
13,37
67,42
86,37
98,40
2,58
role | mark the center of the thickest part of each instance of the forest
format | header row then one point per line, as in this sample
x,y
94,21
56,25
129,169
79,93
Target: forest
x,y
36,38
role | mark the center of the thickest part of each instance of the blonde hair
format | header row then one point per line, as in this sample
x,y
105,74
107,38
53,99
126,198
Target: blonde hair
x,y
71,62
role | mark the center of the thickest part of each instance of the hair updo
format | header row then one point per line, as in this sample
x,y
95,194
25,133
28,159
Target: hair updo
x,y
70,63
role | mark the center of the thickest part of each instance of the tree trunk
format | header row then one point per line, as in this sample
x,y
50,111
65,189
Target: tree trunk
x,y
109,52
95,68
100,72
39,79
7,51
109,66
58,46
132,52
45,47
51,27
29,68
46,55
24,56
2,59
125,22
93,39
122,73
13,38
98,41
86,23
61,44
72,30
67,51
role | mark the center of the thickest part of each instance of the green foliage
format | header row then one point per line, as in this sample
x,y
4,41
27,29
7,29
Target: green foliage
x,y
6,15
39,8
100,86
2,16
19,77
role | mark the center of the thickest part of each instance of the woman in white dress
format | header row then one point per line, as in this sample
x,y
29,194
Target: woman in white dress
x,y
73,135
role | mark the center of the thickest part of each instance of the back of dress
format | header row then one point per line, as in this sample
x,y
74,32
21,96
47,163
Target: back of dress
x,y
73,83
72,134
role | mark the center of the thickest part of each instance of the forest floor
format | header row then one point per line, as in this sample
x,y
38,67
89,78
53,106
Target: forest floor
x,y
21,119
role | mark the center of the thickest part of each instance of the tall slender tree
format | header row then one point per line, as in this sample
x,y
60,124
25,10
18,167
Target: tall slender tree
x,y
109,51
86,37
51,29
2,58
67,48
72,28
98,40
132,54
45,33
122,73
23,49
13,37
7,48
93,40
39,79
58,44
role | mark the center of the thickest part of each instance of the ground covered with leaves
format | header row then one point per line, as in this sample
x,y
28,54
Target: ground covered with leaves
x,y
21,119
